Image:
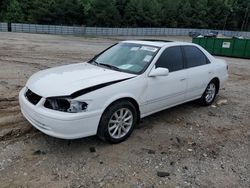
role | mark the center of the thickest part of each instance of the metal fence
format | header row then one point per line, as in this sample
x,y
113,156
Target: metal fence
x,y
4,27
104,31
49,29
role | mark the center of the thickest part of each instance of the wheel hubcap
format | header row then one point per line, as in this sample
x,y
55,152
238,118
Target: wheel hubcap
x,y
120,123
210,92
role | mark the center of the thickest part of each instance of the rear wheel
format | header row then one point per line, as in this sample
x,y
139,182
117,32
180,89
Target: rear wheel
x,y
117,122
209,94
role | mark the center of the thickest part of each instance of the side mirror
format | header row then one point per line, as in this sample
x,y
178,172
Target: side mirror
x,y
159,72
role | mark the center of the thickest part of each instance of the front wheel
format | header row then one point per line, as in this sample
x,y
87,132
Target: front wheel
x,y
209,94
117,122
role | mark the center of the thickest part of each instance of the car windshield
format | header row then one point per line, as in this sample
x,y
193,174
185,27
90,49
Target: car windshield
x,y
127,57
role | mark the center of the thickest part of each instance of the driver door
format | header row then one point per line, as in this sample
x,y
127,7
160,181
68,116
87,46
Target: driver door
x,y
166,91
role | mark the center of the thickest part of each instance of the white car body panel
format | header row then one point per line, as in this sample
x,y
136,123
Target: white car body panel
x,y
177,81
148,92
197,85
52,82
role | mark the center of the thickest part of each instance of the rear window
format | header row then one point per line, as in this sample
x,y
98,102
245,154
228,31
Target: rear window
x,y
194,56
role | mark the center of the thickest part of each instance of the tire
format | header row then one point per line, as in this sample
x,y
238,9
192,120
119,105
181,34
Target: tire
x,y
117,122
210,93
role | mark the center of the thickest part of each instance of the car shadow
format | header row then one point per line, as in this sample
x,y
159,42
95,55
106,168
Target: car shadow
x,y
169,116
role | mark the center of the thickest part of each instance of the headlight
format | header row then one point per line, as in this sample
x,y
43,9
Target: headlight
x,y
65,105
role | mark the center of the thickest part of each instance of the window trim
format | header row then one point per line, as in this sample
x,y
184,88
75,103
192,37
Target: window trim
x,y
181,53
185,57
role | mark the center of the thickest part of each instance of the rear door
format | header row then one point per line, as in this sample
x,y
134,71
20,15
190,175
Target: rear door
x,y
199,71
164,91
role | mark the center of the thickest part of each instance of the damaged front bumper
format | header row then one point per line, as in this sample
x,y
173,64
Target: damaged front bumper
x,y
59,124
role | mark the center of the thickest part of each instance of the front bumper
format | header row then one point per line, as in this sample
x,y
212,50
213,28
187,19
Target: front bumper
x,y
59,124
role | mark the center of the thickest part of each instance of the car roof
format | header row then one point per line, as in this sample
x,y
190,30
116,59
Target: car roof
x,y
157,43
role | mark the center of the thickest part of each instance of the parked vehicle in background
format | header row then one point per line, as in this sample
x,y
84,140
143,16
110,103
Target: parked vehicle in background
x,y
212,34
108,95
194,34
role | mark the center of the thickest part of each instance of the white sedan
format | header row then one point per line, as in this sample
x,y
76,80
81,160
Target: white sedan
x,y
108,95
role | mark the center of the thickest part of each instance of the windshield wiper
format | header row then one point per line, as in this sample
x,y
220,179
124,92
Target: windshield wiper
x,y
104,65
109,66
93,62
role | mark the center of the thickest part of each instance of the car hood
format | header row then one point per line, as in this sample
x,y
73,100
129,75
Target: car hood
x,y
65,80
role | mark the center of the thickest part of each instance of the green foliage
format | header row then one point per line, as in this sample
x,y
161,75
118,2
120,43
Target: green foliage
x,y
102,13
68,12
142,13
214,14
168,12
14,12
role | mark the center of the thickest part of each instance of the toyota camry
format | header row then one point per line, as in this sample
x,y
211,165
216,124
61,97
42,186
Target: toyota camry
x,y
108,95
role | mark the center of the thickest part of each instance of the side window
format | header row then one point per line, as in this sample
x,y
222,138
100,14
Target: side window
x,y
171,58
194,56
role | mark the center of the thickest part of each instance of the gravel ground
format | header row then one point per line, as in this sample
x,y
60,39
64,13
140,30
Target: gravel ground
x,y
185,146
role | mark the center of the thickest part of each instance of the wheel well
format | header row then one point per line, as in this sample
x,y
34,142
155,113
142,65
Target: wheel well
x,y
217,82
134,102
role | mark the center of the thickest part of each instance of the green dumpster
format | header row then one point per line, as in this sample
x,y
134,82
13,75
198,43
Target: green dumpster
x,y
231,47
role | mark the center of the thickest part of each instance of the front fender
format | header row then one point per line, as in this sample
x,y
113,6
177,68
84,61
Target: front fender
x,y
118,97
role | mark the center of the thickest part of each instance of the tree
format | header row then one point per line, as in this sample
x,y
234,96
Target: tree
x,y
102,13
199,13
27,6
184,14
169,12
151,13
68,12
133,12
214,14
142,13
14,12
121,5
3,6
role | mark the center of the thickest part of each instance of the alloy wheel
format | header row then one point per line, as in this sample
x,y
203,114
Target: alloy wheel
x,y
210,92
120,123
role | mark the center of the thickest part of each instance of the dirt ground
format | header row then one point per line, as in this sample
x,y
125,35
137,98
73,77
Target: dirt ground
x,y
191,146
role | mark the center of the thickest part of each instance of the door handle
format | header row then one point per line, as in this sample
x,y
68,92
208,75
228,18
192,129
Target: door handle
x,y
183,79
210,72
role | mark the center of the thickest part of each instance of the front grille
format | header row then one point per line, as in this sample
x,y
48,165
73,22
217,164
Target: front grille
x,y
32,97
